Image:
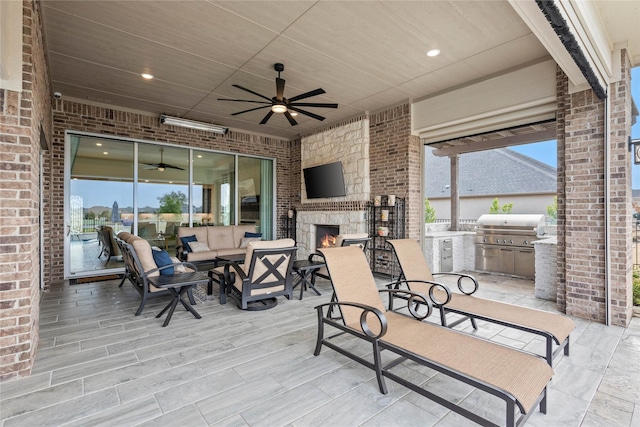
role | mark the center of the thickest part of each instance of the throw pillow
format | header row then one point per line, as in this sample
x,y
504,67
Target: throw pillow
x,y
186,240
244,242
248,234
162,258
199,247
179,268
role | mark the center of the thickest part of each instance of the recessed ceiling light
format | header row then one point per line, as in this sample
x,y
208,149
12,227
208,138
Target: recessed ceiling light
x,y
147,76
105,152
293,113
146,180
199,156
99,144
433,52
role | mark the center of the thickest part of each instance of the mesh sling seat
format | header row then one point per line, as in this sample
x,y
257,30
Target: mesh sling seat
x,y
265,274
518,378
418,277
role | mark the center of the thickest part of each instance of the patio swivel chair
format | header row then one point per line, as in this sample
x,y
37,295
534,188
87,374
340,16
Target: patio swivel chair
x,y
418,277
265,274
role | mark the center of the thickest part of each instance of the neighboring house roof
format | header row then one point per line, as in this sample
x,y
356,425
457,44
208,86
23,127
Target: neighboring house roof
x,y
499,171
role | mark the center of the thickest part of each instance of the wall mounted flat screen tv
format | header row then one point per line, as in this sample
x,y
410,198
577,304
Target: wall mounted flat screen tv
x,y
324,181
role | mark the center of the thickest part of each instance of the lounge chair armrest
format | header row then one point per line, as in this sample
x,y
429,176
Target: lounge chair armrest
x,y
237,269
314,257
432,287
414,300
366,309
461,277
186,264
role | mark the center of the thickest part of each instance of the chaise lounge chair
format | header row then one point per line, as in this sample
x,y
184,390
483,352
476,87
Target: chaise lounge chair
x,y
518,378
418,277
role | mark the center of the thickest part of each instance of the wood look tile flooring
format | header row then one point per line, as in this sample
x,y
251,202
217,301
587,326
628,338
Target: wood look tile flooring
x,y
99,365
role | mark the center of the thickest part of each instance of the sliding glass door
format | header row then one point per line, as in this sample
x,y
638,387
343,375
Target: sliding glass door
x,y
150,190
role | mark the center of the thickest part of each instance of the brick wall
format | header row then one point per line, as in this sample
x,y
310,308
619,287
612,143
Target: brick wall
x,y
582,257
394,162
562,95
22,114
620,208
584,206
70,115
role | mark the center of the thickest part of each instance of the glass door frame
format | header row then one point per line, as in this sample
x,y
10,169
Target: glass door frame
x,y
136,142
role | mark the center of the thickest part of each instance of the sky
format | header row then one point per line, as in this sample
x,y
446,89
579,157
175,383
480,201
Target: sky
x,y
546,151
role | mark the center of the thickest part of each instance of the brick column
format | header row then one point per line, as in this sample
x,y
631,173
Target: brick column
x,y
620,202
581,201
22,116
394,162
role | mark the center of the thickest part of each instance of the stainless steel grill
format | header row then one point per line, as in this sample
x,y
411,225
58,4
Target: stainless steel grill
x,y
503,243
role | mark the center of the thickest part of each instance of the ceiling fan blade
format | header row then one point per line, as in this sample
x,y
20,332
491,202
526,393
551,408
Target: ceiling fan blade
x,y
290,118
266,118
166,166
307,113
250,91
313,104
243,100
250,109
279,88
309,94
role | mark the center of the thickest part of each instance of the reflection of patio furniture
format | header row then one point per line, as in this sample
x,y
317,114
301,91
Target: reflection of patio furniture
x,y
147,230
109,246
418,278
518,379
265,274
140,267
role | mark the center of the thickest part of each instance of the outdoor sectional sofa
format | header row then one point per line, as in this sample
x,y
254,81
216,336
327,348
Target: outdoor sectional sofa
x,y
214,241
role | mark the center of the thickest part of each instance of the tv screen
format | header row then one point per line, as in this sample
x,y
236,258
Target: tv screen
x,y
324,181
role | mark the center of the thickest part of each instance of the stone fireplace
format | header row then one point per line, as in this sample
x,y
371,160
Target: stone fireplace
x,y
348,143
349,222
326,235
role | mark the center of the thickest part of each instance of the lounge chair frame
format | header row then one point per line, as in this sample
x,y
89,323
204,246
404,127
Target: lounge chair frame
x,y
379,344
444,308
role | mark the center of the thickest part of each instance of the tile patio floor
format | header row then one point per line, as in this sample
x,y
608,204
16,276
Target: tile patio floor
x,y
98,364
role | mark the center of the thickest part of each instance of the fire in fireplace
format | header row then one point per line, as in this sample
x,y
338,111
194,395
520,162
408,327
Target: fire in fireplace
x,y
326,235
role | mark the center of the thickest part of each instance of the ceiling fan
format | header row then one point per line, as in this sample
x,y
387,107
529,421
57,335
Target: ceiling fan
x,y
161,166
279,104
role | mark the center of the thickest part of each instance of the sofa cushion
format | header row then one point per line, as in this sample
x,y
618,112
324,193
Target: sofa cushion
x,y
201,256
185,242
220,237
162,258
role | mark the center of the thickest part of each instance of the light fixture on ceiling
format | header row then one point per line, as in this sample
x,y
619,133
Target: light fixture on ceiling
x,y
433,52
192,124
279,108
293,113
147,76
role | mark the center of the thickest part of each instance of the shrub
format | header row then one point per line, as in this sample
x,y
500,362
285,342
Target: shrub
x,y
429,212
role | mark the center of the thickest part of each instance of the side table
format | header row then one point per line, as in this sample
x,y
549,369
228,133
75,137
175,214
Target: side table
x,y
178,284
306,271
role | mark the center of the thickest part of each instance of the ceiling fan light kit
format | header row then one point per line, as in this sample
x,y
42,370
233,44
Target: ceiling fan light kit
x,y
281,105
192,124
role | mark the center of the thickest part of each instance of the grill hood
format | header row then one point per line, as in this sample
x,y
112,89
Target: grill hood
x,y
513,222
